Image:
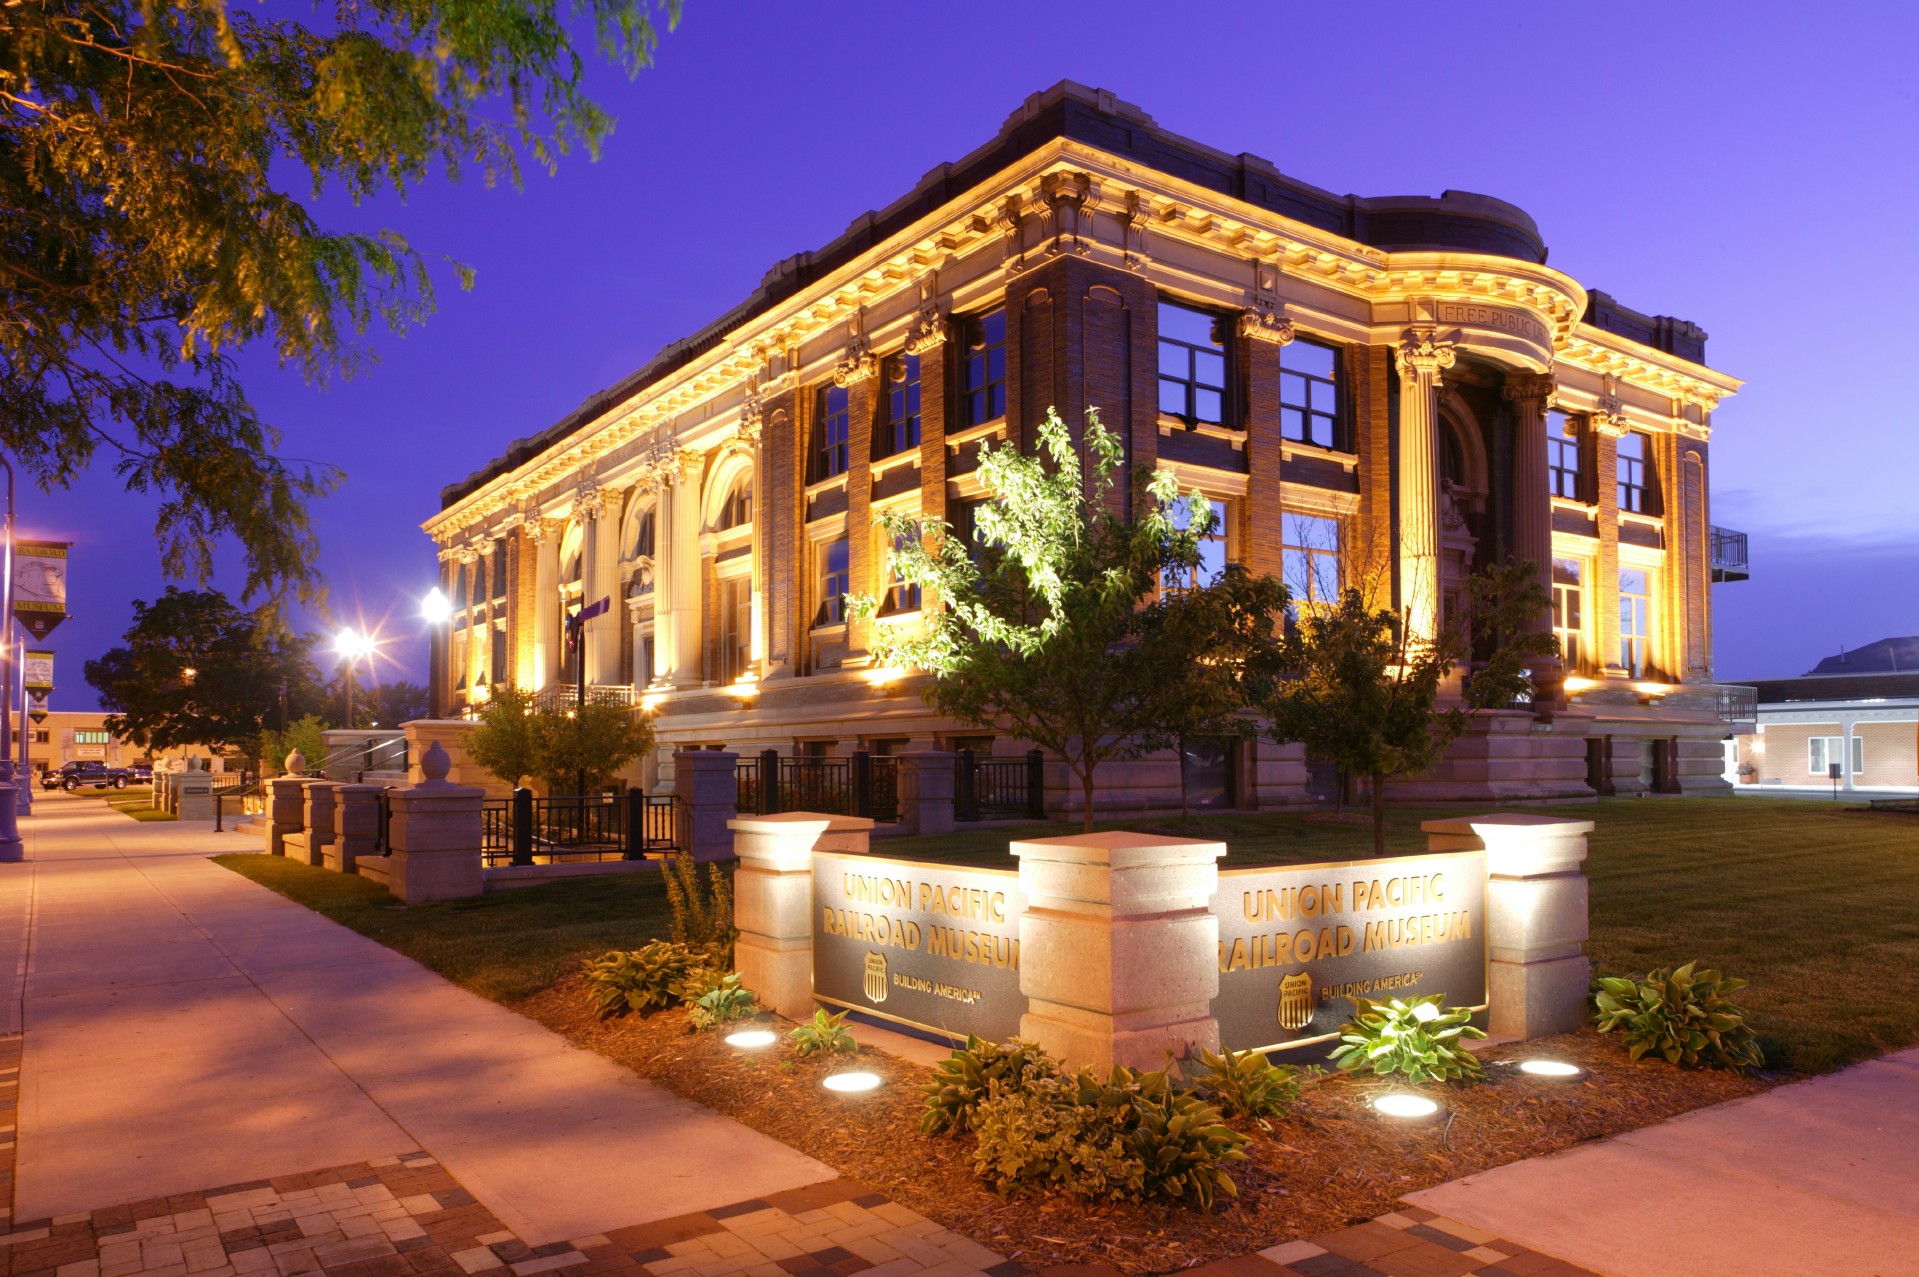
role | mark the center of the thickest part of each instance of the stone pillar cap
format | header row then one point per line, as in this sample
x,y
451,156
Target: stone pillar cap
x,y
1507,826
794,821
1117,847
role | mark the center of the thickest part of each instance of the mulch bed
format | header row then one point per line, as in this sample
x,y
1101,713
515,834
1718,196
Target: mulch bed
x,y
1328,1163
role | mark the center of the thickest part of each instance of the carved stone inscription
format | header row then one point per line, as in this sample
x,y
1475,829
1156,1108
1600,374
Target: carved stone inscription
x,y
1297,943
929,945
1517,322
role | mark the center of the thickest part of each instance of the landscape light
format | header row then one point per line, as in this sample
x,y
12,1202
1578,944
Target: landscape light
x,y
752,1039
1405,1106
852,1083
1558,1070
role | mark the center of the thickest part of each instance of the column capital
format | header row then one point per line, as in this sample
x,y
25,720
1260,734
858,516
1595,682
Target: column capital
x,y
929,325
1609,411
859,363
1264,323
1532,391
1423,352
589,502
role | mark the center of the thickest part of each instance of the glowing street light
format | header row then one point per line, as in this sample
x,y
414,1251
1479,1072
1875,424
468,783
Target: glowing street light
x,y
437,611
353,645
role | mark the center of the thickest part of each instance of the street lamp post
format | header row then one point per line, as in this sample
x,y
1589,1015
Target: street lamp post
x,y
352,644
437,610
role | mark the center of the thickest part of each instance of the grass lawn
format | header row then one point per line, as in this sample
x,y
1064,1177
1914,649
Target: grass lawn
x,y
1816,905
135,802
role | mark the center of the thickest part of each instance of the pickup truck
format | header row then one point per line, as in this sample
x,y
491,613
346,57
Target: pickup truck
x,y
87,772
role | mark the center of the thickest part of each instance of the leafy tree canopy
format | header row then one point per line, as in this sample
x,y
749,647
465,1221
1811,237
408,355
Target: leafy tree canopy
x,y
144,239
1042,622
521,736
197,670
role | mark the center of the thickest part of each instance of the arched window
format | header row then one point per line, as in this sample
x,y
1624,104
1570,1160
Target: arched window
x,y
737,510
641,545
1452,458
572,546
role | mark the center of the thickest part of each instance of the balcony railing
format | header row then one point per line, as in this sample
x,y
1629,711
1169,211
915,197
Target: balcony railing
x,y
1729,555
1738,706
563,695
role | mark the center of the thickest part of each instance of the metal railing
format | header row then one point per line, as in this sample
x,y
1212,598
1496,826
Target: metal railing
x,y
250,797
562,695
860,785
1738,704
988,787
1729,551
370,755
524,830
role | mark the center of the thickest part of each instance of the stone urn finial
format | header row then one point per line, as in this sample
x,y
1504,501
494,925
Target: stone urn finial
x,y
296,763
435,764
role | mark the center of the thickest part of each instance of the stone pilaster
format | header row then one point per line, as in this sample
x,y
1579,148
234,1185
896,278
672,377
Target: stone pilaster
x,y
679,589
773,900
545,601
1603,597
1422,356
1119,947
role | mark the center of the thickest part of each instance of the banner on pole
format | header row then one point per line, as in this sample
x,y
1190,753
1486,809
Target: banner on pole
x,y
39,671
40,585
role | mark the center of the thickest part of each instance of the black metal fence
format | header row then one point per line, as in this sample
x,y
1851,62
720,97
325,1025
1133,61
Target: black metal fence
x,y
861,785
996,787
524,830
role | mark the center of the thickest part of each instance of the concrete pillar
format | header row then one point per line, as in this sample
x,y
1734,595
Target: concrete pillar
x,y
679,589
435,834
450,735
195,791
1119,947
926,792
1535,917
708,793
546,593
320,821
286,811
358,827
1422,354
773,900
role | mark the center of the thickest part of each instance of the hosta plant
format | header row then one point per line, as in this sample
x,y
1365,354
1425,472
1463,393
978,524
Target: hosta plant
x,y
1682,1015
1040,1134
1245,1084
643,979
724,1003
1419,1040
1183,1145
826,1035
961,1080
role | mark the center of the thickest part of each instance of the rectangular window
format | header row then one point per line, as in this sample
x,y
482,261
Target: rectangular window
x,y
499,570
1822,752
1635,620
43,737
831,424
1212,545
1192,365
1569,613
1635,473
900,432
1562,457
1309,558
1309,393
835,580
643,660
963,518
90,738
1858,755
901,595
983,369
498,654
736,628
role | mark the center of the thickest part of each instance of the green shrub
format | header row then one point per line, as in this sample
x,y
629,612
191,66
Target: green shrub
x,y
1038,1134
1246,1084
702,915
1683,1015
724,1003
826,1035
1418,1040
961,1080
1181,1142
643,979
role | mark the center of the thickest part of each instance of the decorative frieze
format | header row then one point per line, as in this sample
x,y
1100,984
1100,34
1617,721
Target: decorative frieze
x,y
859,363
1265,320
929,324
1609,410
1424,353
1134,225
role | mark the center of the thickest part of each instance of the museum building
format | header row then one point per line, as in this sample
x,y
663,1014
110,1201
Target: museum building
x,y
1382,392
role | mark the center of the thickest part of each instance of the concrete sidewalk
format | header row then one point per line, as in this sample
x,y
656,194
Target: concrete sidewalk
x,y
1814,1178
187,1029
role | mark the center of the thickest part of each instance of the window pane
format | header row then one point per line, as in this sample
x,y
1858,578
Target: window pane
x,y
1207,406
1293,389
1174,360
1320,431
1183,323
1858,754
1209,369
1308,357
1172,398
1292,423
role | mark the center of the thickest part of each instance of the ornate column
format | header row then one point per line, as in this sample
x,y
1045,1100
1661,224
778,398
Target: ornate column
x,y
545,536
1609,423
1422,354
1531,394
678,593
604,632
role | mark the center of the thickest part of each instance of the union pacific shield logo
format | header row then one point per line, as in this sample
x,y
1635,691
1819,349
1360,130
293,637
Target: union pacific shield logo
x,y
876,977
1296,1003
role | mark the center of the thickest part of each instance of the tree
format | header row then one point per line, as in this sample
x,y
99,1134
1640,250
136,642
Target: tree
x,y
303,734
197,670
377,704
1210,648
146,240
1356,691
1039,622
505,742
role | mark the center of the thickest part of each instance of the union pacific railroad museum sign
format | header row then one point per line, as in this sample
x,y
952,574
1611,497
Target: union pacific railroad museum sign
x,y
926,944
1297,943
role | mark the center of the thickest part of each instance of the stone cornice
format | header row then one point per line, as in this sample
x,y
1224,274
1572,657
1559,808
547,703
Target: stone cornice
x,y
1069,197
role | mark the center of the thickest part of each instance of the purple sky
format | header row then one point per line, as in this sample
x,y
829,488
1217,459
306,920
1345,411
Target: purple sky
x,y
1748,167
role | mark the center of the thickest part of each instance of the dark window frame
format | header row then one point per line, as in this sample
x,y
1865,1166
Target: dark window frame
x,y
901,596
1222,346
832,606
982,396
1569,441
831,450
900,427
1293,379
736,510
1636,478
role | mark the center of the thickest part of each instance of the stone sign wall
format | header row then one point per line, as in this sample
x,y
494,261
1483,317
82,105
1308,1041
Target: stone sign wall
x,y
924,944
1296,944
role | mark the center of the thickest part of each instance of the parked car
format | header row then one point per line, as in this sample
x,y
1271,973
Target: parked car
x,y
140,774
88,772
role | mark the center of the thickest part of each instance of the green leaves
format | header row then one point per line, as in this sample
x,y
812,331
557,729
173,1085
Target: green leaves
x,y
146,240
1682,1015
1418,1040
724,1003
1245,1084
963,1079
825,1035
645,979
520,736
